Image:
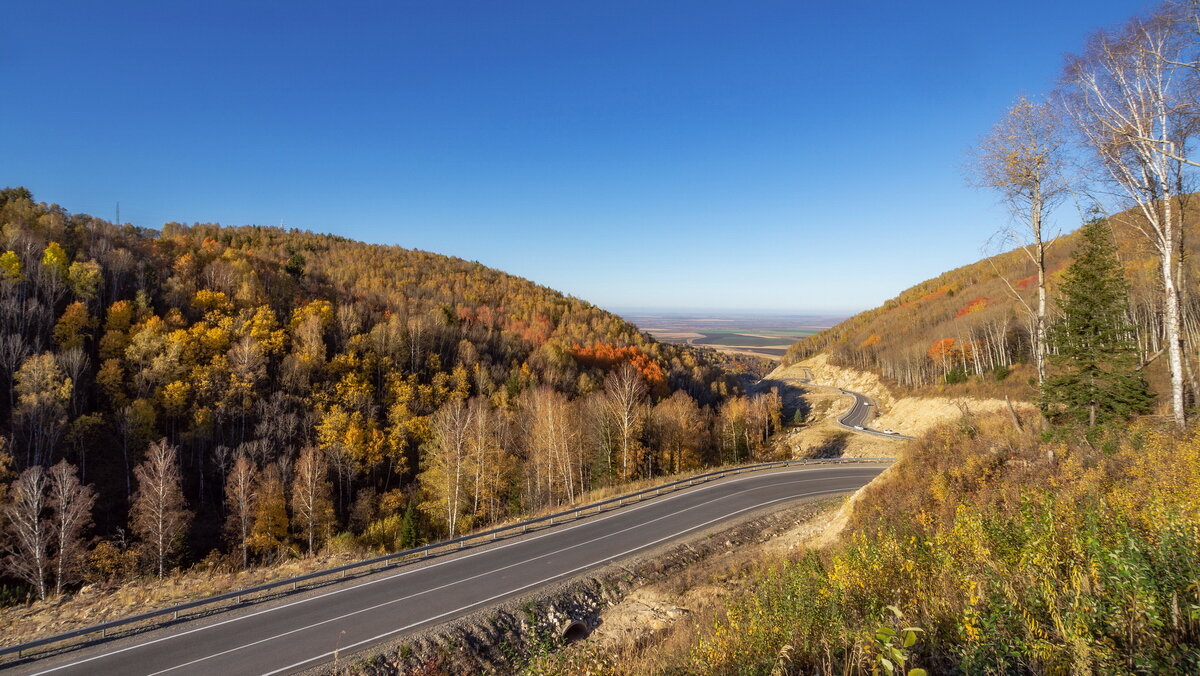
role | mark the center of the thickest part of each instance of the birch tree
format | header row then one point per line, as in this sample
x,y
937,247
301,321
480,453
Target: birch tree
x,y
240,498
159,516
489,460
1126,98
1183,16
71,514
29,532
625,393
312,502
554,454
446,470
1024,159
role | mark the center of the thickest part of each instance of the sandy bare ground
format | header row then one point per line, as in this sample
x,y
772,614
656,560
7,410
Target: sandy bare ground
x,y
911,416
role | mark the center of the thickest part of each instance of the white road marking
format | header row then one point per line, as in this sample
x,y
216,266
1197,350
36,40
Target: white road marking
x,y
468,579
619,512
539,582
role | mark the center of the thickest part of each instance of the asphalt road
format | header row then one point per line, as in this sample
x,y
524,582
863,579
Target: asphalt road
x,y
860,412
303,633
859,415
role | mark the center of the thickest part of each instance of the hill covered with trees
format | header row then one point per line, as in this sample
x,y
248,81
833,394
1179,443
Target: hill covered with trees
x,y
254,391
973,325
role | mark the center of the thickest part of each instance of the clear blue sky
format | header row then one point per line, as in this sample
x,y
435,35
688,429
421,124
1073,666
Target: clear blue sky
x,y
785,156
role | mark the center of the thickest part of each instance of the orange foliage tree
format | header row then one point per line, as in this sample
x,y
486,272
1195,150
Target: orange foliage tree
x,y
608,357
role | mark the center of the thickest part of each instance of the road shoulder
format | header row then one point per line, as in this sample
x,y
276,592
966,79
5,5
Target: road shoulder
x,y
500,638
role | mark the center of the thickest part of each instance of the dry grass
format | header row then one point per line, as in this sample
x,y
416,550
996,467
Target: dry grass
x,y
916,415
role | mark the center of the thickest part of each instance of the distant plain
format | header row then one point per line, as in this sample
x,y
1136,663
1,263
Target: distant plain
x,y
762,335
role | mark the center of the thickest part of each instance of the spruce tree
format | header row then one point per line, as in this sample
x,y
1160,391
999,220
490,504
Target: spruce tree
x,y
1094,377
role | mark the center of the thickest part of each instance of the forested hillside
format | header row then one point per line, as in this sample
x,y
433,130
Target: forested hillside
x,y
255,391
974,322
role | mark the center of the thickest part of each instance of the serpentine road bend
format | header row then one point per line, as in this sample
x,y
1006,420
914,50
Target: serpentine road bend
x,y
304,632
859,414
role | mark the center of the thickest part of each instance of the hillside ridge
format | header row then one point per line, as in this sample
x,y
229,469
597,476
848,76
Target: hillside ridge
x,y
968,329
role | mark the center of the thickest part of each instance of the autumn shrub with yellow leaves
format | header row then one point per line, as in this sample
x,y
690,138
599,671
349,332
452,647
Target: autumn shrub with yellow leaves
x,y
1009,552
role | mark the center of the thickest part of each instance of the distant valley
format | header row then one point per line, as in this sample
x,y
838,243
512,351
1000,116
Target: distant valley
x,y
767,335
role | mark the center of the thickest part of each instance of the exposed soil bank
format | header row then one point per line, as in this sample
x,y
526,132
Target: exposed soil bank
x,y
911,416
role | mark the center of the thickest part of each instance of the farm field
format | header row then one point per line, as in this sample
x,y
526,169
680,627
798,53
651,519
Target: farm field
x,y
762,335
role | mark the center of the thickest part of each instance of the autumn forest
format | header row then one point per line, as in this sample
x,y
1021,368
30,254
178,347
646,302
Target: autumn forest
x,y
241,395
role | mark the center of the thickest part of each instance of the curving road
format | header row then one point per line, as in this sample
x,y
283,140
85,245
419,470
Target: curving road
x,y
303,633
857,417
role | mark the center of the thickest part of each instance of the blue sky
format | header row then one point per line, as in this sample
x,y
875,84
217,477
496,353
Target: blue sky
x,y
769,156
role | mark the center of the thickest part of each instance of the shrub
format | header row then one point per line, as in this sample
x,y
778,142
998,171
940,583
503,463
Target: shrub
x,y
384,535
342,543
1013,554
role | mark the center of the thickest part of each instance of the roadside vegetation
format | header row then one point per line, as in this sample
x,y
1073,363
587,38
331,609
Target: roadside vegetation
x,y
1012,551
1011,554
240,397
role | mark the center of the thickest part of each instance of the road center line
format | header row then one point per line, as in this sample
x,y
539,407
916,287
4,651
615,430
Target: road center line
x,y
616,513
468,579
542,581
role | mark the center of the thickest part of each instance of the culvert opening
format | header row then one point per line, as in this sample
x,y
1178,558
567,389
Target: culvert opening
x,y
574,631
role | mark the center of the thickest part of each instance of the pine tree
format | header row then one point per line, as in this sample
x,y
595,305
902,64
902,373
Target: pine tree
x,y
1095,377
410,530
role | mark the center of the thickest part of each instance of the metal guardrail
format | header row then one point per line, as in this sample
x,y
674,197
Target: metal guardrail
x,y
452,544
